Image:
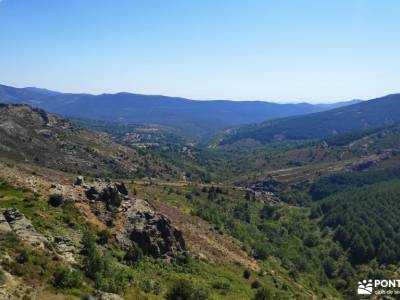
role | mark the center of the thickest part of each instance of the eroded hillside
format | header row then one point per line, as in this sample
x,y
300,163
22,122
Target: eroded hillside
x,y
34,136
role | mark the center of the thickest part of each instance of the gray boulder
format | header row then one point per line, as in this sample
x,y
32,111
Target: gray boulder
x,y
109,193
152,232
23,227
79,180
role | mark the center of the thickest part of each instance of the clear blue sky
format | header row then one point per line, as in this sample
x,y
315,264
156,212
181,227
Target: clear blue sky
x,y
279,50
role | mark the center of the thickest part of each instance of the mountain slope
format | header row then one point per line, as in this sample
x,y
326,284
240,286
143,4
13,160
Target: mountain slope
x,y
34,136
192,117
370,114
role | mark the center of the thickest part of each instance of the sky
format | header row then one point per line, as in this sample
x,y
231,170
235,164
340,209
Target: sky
x,y
281,51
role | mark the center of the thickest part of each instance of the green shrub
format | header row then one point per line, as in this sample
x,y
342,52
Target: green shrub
x,y
185,290
222,286
107,274
263,294
152,286
255,284
56,200
246,274
103,237
2,277
23,257
133,255
67,278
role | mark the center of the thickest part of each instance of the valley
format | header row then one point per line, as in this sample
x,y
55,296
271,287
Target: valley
x,y
111,210
199,150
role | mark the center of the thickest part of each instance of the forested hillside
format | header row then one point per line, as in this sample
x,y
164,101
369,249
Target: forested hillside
x,y
370,114
190,117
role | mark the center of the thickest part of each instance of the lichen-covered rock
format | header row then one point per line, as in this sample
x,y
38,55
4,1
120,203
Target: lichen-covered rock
x,y
79,180
12,288
100,295
150,231
110,193
92,193
121,187
4,226
65,248
142,226
111,196
23,228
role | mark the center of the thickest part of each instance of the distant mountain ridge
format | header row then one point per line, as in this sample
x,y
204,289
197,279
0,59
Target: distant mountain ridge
x,y
190,116
375,113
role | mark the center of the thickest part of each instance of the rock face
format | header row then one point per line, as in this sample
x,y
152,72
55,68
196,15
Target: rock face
x,y
149,230
99,295
79,180
12,220
4,226
142,226
109,193
65,248
269,185
22,227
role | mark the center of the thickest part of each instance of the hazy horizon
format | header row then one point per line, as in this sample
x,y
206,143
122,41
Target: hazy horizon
x,y
302,51
293,101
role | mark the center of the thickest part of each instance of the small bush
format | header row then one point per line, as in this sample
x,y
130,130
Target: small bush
x,y
152,286
2,277
67,278
182,259
255,284
23,257
185,290
103,237
222,286
246,274
56,200
263,294
133,255
107,274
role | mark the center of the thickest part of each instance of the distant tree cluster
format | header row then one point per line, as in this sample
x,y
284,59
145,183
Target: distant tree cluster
x,y
332,184
366,221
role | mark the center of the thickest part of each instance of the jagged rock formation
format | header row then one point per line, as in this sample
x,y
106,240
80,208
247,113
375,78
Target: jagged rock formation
x,y
12,220
151,231
12,288
99,295
64,247
268,185
109,193
142,226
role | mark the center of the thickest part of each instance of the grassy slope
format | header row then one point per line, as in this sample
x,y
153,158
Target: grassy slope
x,y
224,281
285,248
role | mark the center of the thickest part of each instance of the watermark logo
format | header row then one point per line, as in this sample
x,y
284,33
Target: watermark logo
x,y
365,287
379,287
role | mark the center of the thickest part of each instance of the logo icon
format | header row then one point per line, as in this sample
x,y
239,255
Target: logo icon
x,y
365,287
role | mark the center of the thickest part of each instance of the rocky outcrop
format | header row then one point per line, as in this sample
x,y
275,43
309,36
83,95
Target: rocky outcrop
x,y
109,193
12,220
150,231
100,295
23,228
4,226
12,287
141,226
64,247
79,180
268,185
